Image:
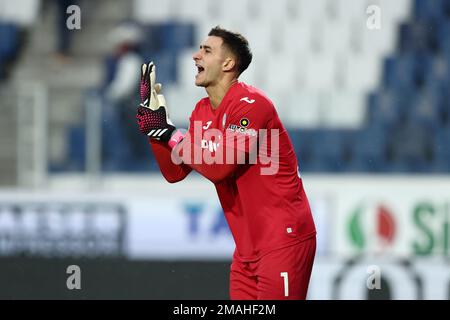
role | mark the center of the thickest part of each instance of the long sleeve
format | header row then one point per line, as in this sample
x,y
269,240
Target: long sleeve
x,y
188,152
215,172
171,171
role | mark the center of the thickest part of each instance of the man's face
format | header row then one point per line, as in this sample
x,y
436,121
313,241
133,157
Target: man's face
x,y
209,61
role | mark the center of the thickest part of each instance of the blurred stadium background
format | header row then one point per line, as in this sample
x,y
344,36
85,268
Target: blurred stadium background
x,y
367,109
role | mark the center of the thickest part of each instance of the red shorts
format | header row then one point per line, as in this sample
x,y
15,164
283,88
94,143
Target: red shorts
x,y
279,275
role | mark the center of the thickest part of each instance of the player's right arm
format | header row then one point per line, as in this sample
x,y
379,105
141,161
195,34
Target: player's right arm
x,y
153,120
170,171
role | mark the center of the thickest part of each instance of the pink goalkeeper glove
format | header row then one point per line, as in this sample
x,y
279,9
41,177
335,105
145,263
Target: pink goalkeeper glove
x,y
152,115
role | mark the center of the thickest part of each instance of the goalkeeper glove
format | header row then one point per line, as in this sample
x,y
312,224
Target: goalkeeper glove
x,y
152,114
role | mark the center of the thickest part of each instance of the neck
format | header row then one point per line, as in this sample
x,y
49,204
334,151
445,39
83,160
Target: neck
x,y
218,91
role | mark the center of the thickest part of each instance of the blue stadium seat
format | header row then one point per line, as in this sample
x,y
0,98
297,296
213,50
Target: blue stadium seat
x,y
328,148
171,36
438,76
422,65
169,40
397,168
442,150
397,72
77,148
110,67
425,110
1,70
427,10
416,37
369,149
115,157
386,108
152,42
176,36
406,71
321,150
138,164
440,98
166,64
302,142
411,144
9,35
442,33
439,91
317,166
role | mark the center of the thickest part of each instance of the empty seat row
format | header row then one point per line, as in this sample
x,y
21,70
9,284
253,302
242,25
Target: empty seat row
x,y
19,12
264,10
315,36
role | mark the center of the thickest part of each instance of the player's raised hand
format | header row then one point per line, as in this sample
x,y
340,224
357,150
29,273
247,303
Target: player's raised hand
x,y
149,89
152,115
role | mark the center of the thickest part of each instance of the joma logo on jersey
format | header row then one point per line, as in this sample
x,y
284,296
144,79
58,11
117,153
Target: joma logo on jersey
x,y
211,146
246,99
207,125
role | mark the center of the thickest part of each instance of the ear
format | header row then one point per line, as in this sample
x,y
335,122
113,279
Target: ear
x,y
228,64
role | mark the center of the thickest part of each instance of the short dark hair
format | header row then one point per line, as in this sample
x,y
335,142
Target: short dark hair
x,y
237,44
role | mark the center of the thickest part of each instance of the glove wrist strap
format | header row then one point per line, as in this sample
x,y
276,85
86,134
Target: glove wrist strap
x,y
175,139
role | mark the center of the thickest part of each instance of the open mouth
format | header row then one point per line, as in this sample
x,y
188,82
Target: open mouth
x,y
200,69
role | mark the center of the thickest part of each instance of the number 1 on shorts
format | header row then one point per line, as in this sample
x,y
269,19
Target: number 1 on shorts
x,y
286,283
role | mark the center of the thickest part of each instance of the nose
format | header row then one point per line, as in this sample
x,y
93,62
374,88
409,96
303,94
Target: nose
x,y
196,55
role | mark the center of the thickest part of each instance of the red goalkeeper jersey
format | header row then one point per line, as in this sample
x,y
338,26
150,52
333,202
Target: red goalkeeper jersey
x,y
264,201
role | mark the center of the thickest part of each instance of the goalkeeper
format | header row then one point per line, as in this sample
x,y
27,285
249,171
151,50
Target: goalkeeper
x,y
266,207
